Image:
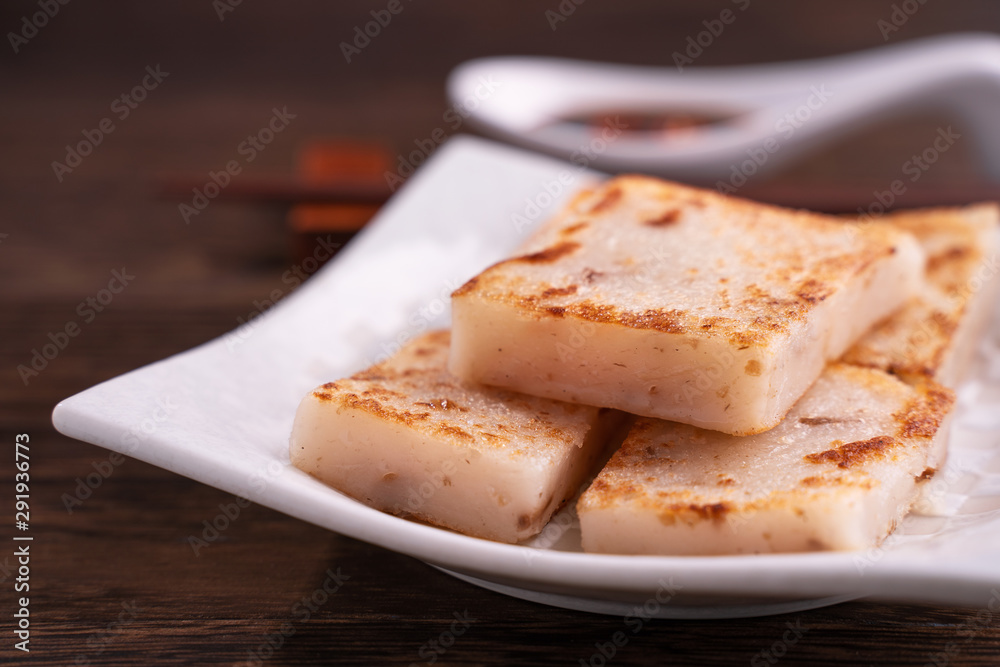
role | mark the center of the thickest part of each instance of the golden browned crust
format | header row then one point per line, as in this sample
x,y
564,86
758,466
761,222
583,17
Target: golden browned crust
x,y
608,198
414,390
468,287
689,507
923,415
548,255
857,453
819,421
916,342
574,228
382,410
688,475
770,269
668,217
559,291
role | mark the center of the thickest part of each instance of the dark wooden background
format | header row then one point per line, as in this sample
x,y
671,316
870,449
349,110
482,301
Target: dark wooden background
x,y
126,544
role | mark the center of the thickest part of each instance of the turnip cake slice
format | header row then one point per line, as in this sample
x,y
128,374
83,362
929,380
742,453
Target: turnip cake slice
x,y
407,437
935,335
700,491
679,303
838,473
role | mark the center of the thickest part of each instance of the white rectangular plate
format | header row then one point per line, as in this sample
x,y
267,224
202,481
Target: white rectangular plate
x,y
221,414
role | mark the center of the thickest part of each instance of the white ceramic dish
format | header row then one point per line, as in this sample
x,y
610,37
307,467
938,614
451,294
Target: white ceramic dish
x,y
221,414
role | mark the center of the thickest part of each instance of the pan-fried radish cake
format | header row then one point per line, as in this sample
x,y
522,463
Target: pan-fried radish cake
x,y
679,303
407,437
935,335
847,462
837,474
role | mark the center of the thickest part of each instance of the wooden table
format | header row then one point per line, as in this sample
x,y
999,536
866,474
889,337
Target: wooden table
x,y
114,581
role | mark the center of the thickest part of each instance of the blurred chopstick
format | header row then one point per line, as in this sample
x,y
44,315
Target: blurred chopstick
x,y
277,189
829,199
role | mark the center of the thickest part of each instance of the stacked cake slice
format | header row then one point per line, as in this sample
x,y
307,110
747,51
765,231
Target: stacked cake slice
x,y
845,465
682,304
719,322
838,473
407,437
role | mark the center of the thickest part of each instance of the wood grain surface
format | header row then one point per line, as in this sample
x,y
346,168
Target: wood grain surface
x,y
115,581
